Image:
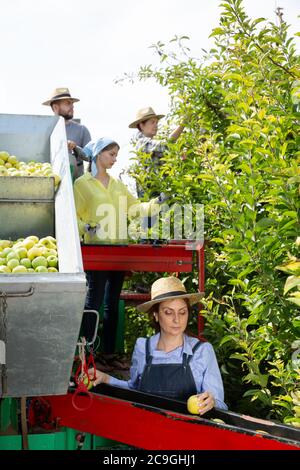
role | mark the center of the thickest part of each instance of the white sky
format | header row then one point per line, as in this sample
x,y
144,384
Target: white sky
x,y
85,45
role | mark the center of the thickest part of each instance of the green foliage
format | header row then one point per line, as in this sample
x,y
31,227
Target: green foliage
x,y
240,103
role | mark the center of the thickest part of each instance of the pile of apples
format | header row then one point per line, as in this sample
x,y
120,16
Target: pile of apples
x,y
28,255
11,166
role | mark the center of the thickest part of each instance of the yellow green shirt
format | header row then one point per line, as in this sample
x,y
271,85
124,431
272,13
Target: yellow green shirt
x,y
109,207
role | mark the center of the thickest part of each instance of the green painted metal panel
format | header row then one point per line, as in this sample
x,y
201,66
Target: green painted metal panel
x,y
11,442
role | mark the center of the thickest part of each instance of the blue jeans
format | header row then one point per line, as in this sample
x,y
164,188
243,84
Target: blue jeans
x,y
105,287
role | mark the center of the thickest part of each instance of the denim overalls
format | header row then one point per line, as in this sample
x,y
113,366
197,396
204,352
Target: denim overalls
x,y
169,380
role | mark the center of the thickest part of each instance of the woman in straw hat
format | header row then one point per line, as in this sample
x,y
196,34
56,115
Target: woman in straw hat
x,y
171,363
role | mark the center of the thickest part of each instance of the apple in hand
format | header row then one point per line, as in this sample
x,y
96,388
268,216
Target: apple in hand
x,y
192,405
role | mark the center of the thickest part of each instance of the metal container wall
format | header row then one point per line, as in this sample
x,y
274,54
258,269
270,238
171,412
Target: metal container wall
x,y
26,206
40,314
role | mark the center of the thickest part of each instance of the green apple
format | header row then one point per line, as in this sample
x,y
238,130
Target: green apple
x,y
5,251
19,269
12,263
25,262
41,269
52,261
12,159
3,261
21,251
39,261
12,255
51,252
4,155
52,270
30,270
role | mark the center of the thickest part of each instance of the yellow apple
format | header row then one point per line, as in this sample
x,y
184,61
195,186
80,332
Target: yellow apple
x,y
4,270
5,243
34,238
28,243
192,405
34,252
19,270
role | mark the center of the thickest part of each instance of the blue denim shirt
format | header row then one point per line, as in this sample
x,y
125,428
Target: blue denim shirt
x,y
204,366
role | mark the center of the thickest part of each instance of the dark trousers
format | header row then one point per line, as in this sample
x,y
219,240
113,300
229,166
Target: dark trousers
x,y
105,287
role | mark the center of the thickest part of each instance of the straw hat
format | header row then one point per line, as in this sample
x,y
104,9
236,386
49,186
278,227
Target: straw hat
x,y
168,288
60,94
144,114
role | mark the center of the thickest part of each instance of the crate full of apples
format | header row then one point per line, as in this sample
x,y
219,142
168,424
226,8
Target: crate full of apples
x,y
29,255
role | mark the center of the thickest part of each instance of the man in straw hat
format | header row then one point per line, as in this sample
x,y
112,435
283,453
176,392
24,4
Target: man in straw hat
x,y
146,121
62,104
171,363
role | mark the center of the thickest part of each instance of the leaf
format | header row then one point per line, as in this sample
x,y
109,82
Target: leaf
x,y
206,177
241,357
226,339
264,222
294,300
290,268
217,32
291,282
257,21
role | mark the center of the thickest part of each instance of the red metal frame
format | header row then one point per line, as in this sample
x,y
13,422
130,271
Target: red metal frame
x,y
153,428
171,257
155,258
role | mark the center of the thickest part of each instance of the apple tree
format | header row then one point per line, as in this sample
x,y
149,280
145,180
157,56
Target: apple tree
x,y
239,156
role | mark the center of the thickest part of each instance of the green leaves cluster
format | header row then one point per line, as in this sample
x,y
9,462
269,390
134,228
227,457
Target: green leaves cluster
x,y
240,103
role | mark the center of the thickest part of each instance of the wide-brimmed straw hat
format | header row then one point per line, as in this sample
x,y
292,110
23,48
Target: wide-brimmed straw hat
x,y
144,114
60,94
168,288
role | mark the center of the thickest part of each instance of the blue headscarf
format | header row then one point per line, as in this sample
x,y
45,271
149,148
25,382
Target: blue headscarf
x,y
94,147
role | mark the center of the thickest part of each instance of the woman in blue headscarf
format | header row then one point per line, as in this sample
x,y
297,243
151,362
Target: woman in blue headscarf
x,y
102,204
